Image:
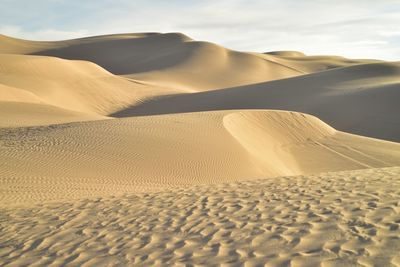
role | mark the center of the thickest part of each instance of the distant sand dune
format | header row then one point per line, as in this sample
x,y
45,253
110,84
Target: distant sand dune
x,y
174,60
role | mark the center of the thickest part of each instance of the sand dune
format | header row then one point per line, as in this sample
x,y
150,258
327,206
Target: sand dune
x,y
134,154
172,63
76,85
10,45
174,60
209,175
310,64
333,219
360,99
64,86
171,59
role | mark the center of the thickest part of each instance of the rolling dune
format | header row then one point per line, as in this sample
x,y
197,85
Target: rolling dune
x,y
311,64
67,89
76,85
155,65
360,99
174,60
154,149
126,155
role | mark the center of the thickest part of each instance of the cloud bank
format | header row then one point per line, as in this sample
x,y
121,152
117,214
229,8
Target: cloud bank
x,y
358,29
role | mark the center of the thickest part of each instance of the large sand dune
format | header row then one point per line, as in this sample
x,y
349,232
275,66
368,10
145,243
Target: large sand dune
x,y
122,155
155,149
155,65
175,60
361,99
80,88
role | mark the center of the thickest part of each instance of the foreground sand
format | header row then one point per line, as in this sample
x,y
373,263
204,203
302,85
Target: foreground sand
x,y
332,219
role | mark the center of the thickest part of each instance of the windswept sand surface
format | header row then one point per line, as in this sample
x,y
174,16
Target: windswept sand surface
x,y
143,153
335,219
155,149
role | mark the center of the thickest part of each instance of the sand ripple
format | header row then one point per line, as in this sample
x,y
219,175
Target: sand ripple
x,y
332,219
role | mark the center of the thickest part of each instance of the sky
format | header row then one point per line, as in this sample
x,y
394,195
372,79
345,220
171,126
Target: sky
x,y
351,28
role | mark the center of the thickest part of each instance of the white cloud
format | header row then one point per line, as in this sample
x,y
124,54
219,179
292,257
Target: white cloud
x,y
357,28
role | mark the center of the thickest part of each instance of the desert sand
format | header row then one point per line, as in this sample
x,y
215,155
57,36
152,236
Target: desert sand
x,y
156,149
333,219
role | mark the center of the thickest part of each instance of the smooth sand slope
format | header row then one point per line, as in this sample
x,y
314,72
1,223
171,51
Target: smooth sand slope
x,y
334,219
69,90
134,154
361,99
175,60
310,64
17,114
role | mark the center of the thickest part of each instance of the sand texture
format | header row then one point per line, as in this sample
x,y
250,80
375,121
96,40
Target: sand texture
x,y
154,149
113,156
335,219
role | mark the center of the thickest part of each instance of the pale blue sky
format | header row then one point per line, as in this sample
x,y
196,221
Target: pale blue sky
x,y
352,28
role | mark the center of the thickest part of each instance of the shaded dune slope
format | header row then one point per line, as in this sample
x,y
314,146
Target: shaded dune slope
x,y
310,64
133,154
361,99
174,60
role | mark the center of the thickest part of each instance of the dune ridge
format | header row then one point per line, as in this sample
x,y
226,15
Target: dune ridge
x,y
60,86
360,99
174,60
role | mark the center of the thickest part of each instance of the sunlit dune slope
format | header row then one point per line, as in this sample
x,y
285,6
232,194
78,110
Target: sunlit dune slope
x,y
145,153
75,87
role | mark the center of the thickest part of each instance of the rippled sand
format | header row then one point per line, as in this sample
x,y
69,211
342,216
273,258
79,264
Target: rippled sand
x,y
332,219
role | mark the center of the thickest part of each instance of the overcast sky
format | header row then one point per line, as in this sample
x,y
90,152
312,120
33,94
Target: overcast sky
x,y
352,28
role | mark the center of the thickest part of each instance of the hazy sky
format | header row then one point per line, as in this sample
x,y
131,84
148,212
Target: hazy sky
x,y
352,28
